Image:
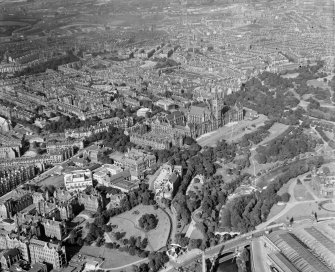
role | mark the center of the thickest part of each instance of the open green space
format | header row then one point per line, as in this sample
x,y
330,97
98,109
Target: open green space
x,y
56,181
304,211
275,210
128,222
301,193
231,132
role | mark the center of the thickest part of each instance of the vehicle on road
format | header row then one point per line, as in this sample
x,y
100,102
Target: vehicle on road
x,y
273,269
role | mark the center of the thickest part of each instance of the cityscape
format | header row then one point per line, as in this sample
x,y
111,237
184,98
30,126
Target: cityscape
x,y
167,135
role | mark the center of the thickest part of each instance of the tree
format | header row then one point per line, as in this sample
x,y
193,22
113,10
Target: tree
x,y
285,197
326,170
148,221
194,243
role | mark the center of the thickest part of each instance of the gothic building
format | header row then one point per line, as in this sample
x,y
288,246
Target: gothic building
x,y
211,115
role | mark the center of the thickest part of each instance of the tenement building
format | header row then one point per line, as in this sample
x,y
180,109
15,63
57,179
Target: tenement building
x,y
47,252
14,202
62,209
10,178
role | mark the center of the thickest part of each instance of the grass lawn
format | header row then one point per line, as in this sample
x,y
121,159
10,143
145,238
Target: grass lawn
x,y
112,258
301,193
57,181
303,211
275,210
196,234
232,132
128,222
317,83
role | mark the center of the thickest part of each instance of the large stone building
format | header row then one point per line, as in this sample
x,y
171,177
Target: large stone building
x,y
61,209
47,252
16,201
92,201
210,115
78,180
324,183
10,143
136,160
10,178
167,181
8,241
54,229
54,157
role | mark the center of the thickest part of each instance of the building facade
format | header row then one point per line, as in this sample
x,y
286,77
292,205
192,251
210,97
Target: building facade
x,y
78,180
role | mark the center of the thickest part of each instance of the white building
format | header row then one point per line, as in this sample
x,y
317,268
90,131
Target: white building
x,y
166,182
103,174
78,180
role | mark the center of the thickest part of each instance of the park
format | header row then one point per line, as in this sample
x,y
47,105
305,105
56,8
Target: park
x,y
128,222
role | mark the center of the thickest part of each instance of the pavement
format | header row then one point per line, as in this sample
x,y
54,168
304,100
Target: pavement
x,y
258,256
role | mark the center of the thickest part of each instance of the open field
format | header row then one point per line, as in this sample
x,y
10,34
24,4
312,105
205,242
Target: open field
x,y
304,211
293,75
275,210
128,222
57,181
119,258
317,83
231,132
301,193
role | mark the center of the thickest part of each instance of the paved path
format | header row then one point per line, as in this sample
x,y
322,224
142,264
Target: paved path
x,y
115,269
257,255
291,204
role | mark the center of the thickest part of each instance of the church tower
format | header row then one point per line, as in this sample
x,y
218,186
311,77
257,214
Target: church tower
x,y
217,109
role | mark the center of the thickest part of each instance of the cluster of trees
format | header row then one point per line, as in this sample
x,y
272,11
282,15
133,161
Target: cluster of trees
x,y
258,135
245,212
166,63
114,138
104,158
197,162
156,262
195,159
133,245
184,241
99,226
66,122
148,221
142,195
270,93
286,146
214,195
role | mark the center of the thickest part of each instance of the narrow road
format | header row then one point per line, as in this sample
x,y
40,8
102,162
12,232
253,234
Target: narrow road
x,y
257,254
